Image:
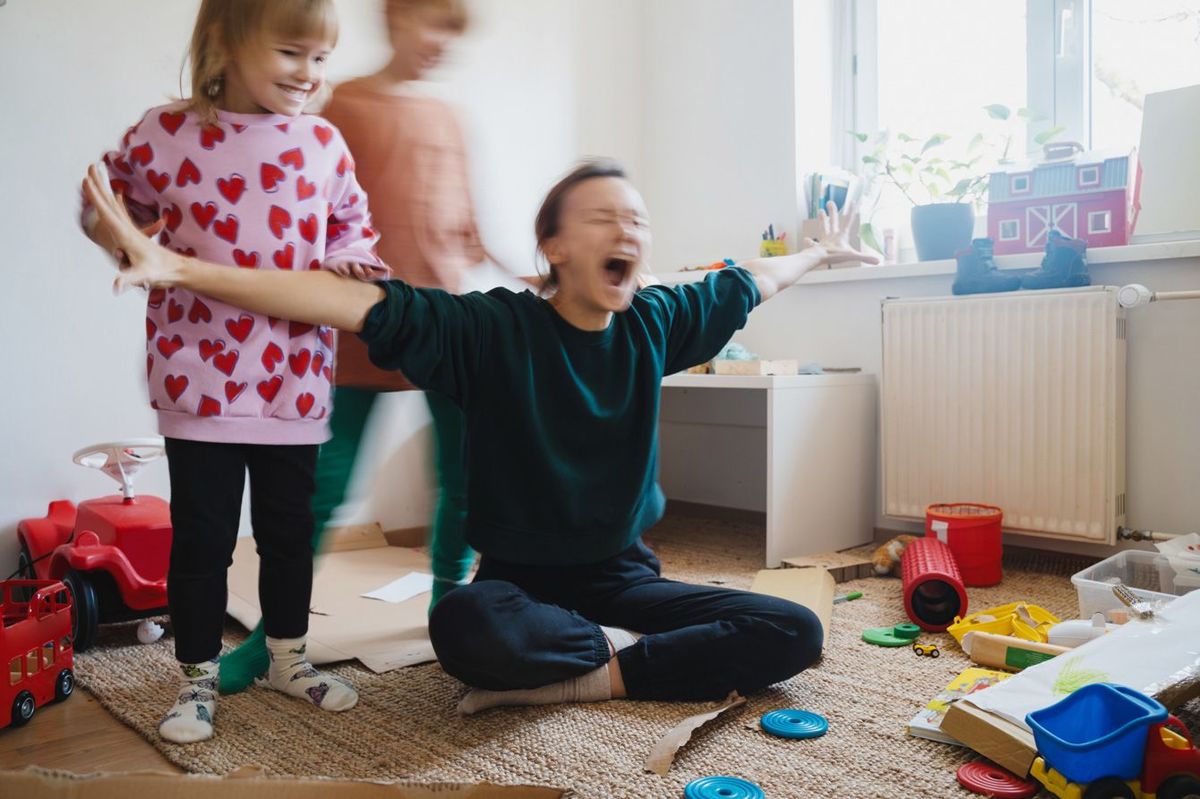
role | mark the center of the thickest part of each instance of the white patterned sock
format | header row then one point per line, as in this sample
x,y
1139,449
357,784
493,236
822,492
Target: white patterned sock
x,y
191,717
292,674
619,638
591,687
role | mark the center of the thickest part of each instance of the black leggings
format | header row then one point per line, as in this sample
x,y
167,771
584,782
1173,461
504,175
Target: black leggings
x,y
526,626
207,481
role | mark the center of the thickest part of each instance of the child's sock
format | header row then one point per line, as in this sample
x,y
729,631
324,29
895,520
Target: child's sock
x,y
591,687
619,639
191,719
242,665
291,673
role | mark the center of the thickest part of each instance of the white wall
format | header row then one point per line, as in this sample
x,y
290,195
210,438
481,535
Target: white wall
x,y
527,78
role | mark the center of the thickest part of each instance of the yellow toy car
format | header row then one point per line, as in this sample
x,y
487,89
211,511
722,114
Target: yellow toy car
x,y
927,649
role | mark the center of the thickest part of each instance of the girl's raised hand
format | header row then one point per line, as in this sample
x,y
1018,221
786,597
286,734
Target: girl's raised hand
x,y
835,235
141,262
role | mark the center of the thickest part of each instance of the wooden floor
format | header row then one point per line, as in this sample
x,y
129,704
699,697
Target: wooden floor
x,y
78,735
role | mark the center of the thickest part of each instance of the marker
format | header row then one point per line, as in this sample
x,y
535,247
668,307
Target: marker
x,y
847,597
771,230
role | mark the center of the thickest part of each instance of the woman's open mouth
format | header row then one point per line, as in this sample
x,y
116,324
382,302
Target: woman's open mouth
x,y
617,270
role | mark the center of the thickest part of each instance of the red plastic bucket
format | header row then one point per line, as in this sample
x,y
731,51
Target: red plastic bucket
x,y
972,531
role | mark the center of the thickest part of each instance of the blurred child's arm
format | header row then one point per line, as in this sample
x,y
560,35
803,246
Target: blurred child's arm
x,y
350,239
126,175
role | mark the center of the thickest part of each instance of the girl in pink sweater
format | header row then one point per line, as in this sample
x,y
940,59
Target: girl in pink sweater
x,y
239,175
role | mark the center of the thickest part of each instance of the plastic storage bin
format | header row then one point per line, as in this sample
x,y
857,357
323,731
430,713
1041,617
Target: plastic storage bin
x,y
1098,731
1149,574
972,531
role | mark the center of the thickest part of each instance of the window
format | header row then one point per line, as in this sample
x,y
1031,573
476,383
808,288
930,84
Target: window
x,y
14,671
1010,230
47,654
1099,221
65,644
1088,176
31,662
1019,184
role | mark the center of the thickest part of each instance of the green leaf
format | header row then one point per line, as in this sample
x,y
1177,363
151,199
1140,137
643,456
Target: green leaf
x,y
997,111
933,141
961,187
862,137
911,158
1030,114
870,159
976,141
904,137
1047,135
866,232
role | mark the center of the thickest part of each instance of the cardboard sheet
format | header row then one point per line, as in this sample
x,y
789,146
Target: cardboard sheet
x,y
993,722
663,753
843,566
342,624
812,587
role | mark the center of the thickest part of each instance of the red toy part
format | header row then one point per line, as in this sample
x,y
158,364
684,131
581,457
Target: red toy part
x,y
933,588
972,531
35,647
1171,757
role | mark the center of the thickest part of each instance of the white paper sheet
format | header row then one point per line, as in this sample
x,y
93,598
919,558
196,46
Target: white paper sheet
x,y
403,588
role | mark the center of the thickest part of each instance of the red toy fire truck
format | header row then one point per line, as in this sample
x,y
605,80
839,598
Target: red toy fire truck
x,y
111,552
35,642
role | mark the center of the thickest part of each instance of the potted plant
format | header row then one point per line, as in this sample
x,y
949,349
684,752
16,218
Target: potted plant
x,y
945,185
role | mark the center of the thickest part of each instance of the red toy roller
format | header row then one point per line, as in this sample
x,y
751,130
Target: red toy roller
x,y
933,587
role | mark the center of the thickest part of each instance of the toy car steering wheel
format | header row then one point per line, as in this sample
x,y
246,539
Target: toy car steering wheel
x,y
121,460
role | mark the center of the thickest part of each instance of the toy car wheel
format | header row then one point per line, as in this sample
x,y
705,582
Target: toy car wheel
x,y
85,613
917,649
1184,786
1109,788
24,572
935,653
64,686
22,709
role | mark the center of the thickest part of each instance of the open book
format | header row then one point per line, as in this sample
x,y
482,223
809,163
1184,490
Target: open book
x,y
928,722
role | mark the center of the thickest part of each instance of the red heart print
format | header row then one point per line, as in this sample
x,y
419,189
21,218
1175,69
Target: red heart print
x,y
175,386
237,128
318,362
321,415
151,329
240,328
190,251
304,403
120,163
304,189
233,390
208,406
299,361
352,201
128,137
368,233
335,230
345,164
149,365
142,154
171,121
293,158
227,228
270,175
272,321
327,373
267,389
199,312
169,347
278,219
231,188
173,217
314,264
298,329
308,228
282,126
326,336
323,134
174,311
159,180
226,362
155,300
188,173
210,135
283,258
272,356
245,258
119,186
209,348
154,404
204,214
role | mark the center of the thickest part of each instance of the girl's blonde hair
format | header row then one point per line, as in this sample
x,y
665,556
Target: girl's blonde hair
x,y
455,10
224,27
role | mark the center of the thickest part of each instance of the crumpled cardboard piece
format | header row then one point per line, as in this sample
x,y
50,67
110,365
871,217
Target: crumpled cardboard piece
x,y
246,783
343,625
663,753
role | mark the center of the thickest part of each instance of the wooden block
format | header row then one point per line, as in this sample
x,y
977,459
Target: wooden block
x,y
785,367
843,566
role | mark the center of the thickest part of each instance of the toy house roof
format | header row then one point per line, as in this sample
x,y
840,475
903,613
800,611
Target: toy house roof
x,y
1057,178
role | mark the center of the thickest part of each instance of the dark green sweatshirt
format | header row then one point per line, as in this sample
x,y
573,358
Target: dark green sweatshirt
x,y
562,423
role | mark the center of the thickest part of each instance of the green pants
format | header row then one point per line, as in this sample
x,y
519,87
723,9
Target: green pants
x,y
451,557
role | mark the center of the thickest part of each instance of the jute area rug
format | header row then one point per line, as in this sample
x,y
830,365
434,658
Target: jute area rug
x,y
405,726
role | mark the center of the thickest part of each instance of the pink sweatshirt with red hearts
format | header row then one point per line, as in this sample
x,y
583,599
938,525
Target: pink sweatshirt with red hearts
x,y
256,191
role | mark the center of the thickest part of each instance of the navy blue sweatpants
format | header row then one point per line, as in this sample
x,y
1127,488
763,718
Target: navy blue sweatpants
x,y
520,626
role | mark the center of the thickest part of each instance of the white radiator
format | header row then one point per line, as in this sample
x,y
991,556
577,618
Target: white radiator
x,y
1016,400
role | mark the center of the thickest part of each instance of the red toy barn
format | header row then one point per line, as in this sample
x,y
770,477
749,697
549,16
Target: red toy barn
x,y
1093,196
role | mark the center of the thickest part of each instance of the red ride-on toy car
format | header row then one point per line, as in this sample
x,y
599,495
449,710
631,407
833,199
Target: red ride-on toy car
x,y
111,552
35,643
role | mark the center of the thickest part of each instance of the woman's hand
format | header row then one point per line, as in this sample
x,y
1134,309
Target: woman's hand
x,y
834,240
140,261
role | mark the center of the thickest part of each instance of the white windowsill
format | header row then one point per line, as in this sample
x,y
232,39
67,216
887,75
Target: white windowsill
x,y
1132,253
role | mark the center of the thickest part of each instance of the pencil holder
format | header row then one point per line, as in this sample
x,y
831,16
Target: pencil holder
x,y
770,247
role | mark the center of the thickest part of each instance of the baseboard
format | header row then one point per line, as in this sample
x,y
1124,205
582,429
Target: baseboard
x,y
408,537
683,508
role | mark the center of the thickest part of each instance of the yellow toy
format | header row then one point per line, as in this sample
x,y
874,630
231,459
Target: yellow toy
x,y
1018,619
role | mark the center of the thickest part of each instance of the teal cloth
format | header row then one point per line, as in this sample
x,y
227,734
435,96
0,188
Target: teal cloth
x,y
562,423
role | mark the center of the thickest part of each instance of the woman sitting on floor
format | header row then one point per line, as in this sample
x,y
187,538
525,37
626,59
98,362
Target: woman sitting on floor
x,y
561,398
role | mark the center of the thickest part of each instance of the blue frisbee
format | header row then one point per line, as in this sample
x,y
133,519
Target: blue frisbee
x,y
794,724
722,788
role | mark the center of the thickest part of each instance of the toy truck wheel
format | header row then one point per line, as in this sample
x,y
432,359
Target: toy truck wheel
x,y
1184,786
64,686
917,649
22,709
85,613
1109,788
935,653
24,572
